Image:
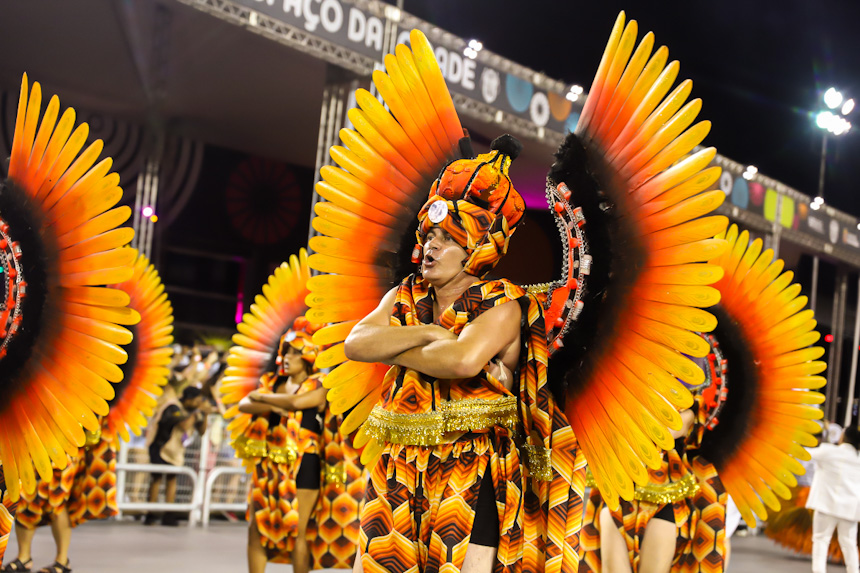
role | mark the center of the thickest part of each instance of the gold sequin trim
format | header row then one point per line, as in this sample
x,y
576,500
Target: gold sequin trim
x,y
661,494
335,473
685,487
92,438
248,448
539,288
539,462
429,428
287,454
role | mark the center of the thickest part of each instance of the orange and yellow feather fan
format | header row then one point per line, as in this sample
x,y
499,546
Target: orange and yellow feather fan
x,y
367,222
61,331
767,336
256,343
646,196
149,353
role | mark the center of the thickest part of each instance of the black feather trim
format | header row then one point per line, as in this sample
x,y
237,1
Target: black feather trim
x,y
617,259
40,307
133,351
720,444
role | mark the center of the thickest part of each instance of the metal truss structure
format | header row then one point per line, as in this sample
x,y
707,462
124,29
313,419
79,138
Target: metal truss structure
x,y
285,34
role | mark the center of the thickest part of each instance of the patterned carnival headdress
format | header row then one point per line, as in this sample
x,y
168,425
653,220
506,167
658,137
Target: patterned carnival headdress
x,y
299,336
474,201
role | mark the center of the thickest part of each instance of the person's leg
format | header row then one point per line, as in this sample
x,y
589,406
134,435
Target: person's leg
x,y
256,552
170,517
822,531
613,548
154,487
847,535
484,540
307,502
170,488
25,542
479,559
357,567
61,528
658,546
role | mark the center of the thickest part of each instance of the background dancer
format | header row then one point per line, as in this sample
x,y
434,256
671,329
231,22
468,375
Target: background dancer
x,y
285,443
306,481
835,498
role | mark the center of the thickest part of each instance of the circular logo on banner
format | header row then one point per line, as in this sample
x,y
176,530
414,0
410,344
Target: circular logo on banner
x,y
437,212
490,83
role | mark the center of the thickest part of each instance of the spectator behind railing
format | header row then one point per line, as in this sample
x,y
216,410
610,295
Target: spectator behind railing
x,y
165,440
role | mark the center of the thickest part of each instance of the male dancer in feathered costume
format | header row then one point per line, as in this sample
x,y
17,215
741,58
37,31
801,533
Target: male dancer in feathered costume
x,y
465,397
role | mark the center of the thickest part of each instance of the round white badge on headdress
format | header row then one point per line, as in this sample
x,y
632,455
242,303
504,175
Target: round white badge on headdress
x,y
437,212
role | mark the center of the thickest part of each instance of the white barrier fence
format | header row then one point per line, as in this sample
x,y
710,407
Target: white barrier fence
x,y
212,478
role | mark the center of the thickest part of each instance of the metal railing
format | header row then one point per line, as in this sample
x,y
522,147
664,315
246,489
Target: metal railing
x,y
208,505
191,507
199,491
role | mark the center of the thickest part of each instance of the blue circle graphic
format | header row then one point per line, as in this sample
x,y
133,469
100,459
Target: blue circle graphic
x,y
740,193
519,93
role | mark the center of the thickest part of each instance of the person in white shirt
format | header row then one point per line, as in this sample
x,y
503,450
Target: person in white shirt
x,y
835,499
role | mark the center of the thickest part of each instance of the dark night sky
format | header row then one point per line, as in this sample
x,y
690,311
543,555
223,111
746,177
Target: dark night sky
x,y
760,67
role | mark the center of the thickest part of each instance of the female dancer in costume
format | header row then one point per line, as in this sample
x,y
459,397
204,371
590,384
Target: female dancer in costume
x,y
85,489
307,483
284,440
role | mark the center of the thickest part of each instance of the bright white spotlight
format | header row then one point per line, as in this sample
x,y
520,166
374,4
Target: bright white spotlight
x,y
575,89
815,206
832,98
470,53
476,45
824,119
572,96
818,200
848,106
148,211
839,125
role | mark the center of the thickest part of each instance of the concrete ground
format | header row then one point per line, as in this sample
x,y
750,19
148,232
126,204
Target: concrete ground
x,y
129,547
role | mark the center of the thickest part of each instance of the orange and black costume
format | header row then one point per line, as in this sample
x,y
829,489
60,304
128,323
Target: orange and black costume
x,y
86,487
304,450
443,439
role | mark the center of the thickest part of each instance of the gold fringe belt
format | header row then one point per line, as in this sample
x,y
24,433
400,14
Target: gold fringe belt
x,y
247,448
429,428
660,494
